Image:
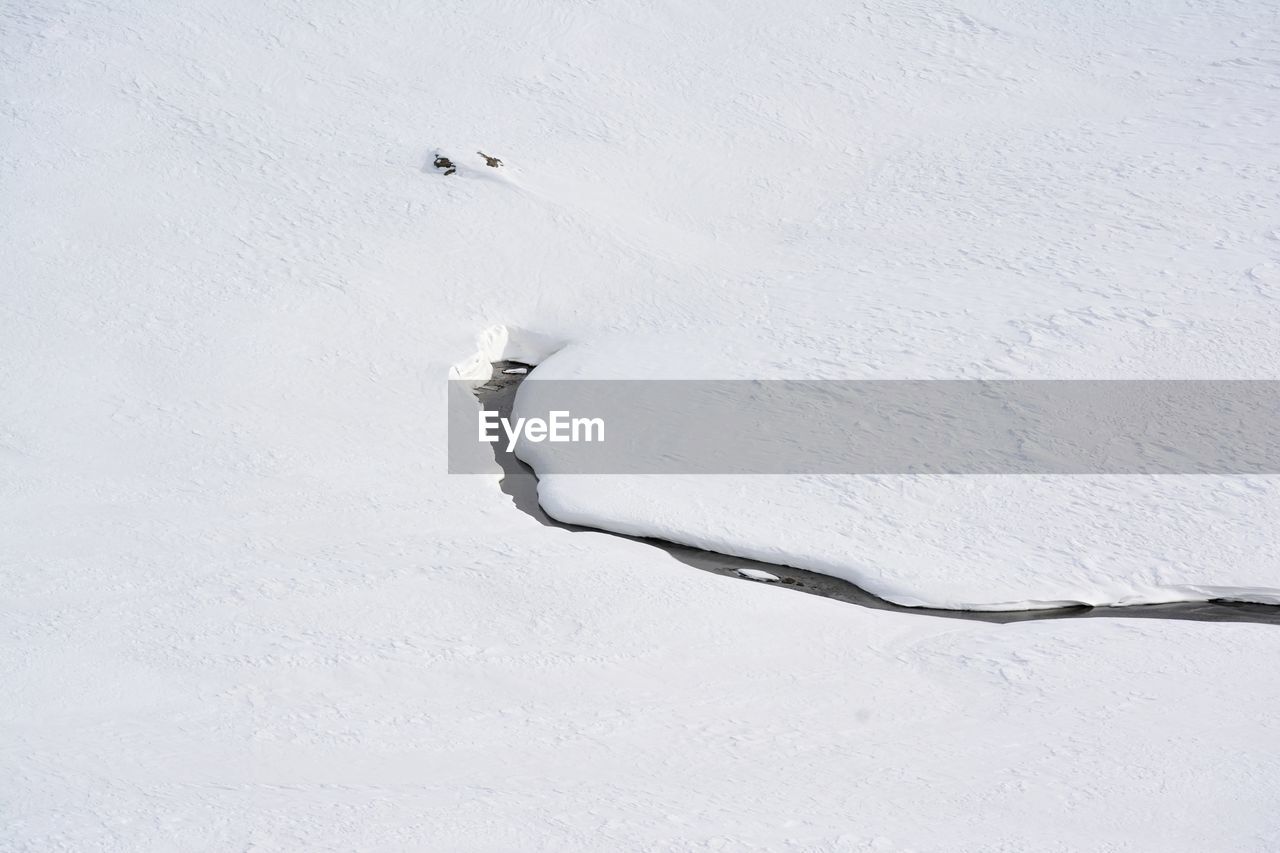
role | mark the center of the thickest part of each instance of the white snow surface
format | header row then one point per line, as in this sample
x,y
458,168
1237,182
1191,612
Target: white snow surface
x,y
991,542
501,343
245,608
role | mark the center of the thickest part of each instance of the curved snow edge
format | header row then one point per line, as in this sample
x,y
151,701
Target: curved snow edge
x,y
566,513
503,343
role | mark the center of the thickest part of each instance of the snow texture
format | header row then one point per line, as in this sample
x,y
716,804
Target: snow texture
x,y
246,608
991,542
500,343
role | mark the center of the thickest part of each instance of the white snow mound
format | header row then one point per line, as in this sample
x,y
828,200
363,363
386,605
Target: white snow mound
x,y
991,542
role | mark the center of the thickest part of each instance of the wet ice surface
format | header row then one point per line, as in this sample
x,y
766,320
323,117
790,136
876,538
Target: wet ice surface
x,y
521,484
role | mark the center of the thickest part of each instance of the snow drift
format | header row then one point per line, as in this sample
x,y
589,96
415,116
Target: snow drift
x,y
992,542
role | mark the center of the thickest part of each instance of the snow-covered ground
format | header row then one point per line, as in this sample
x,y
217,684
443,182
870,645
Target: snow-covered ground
x,y
990,542
246,608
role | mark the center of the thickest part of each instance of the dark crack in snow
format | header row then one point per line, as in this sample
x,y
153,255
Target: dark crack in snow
x,y
521,484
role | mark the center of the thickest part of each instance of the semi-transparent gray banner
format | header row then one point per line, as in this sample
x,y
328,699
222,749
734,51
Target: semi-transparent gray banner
x,y
874,427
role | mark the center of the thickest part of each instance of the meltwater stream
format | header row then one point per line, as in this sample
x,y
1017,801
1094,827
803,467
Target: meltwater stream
x,y
521,484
